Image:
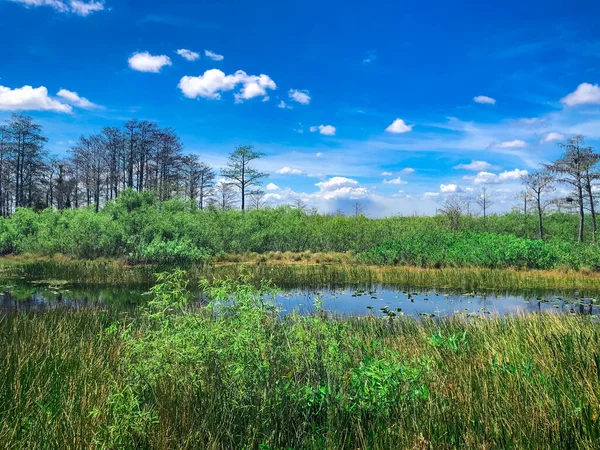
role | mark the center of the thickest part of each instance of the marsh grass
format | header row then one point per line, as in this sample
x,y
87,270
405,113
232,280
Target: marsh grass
x,y
306,273
235,374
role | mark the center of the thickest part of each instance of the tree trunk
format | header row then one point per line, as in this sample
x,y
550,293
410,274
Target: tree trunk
x,y
540,217
581,212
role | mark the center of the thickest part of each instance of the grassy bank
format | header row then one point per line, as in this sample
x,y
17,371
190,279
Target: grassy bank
x,y
138,229
235,376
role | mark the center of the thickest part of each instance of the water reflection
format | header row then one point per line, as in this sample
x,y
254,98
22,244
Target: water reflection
x,y
375,299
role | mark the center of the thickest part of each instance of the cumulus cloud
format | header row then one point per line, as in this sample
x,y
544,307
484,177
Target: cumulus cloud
x,y
288,171
74,99
319,155
407,170
188,54
484,99
492,178
326,130
585,94
214,81
78,7
299,96
28,98
371,57
272,187
283,105
341,187
551,137
450,188
386,174
145,62
398,126
429,195
395,181
475,166
517,143
214,56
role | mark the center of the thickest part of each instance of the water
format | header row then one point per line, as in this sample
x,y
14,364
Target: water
x,y
371,299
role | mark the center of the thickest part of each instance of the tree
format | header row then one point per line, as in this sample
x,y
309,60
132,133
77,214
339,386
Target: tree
x,y
206,184
257,198
526,196
539,183
299,204
571,169
240,173
483,200
453,207
358,208
224,195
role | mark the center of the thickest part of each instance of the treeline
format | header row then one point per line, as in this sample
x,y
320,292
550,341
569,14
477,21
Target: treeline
x,y
577,170
139,156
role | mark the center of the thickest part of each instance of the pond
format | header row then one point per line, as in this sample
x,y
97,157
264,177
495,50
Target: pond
x,y
378,299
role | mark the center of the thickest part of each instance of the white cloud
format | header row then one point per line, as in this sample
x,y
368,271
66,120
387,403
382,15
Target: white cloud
x,y
81,8
326,130
288,171
401,194
484,99
28,98
475,166
517,143
272,187
188,54
214,56
449,188
512,175
386,174
341,187
283,105
74,99
214,81
585,94
299,96
398,126
145,62
429,195
319,155
551,137
395,181
407,170
371,57
85,8
492,178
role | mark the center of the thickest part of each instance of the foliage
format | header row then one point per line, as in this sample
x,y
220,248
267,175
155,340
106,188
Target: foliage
x,y
141,229
236,374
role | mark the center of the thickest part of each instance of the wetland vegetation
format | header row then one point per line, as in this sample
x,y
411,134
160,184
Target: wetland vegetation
x,y
236,374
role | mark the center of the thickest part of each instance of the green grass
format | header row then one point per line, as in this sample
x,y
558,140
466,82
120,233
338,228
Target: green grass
x,y
235,375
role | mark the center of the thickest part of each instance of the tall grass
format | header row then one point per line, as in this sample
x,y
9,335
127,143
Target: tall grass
x,y
237,375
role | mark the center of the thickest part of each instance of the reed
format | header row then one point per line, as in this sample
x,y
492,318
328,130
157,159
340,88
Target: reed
x,y
236,375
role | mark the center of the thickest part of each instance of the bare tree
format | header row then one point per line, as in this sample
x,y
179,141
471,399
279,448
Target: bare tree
x,y
299,204
571,169
527,198
538,184
257,198
358,209
454,207
484,201
224,195
240,173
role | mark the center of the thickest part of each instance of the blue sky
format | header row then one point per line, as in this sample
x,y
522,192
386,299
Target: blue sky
x,y
395,105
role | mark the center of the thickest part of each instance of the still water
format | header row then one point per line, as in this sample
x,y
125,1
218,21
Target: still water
x,y
369,299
